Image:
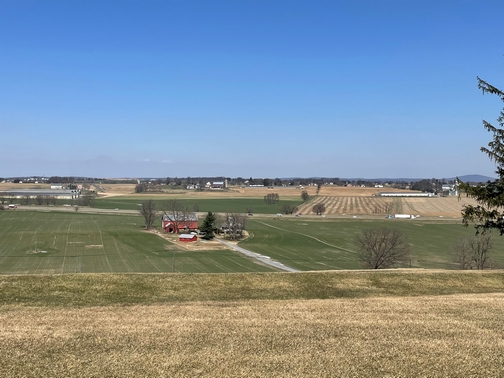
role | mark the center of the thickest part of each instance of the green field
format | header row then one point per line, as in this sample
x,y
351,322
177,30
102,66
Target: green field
x,y
217,205
309,244
57,242
53,242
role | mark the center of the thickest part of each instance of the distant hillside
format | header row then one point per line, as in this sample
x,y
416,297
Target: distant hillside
x,y
474,179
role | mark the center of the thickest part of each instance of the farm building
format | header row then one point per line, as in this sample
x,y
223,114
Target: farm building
x,y
187,238
404,194
32,193
179,223
219,185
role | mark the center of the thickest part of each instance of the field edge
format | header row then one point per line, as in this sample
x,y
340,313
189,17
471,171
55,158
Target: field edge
x,y
90,290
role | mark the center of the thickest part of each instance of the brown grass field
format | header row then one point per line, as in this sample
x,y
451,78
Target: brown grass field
x,y
338,200
446,336
92,325
255,192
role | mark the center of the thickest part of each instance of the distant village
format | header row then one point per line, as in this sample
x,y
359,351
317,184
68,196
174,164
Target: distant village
x,y
73,187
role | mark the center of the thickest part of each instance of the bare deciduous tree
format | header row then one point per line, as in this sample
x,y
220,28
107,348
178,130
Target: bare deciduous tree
x,y
271,198
141,188
381,248
11,197
473,252
233,225
176,211
87,199
149,212
319,208
288,209
304,195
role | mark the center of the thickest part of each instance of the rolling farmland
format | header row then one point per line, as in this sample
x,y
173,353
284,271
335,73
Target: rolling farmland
x,y
55,243
320,244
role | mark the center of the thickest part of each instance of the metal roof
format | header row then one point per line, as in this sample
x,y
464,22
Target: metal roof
x,y
191,217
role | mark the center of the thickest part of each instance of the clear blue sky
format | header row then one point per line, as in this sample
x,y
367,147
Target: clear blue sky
x,y
361,88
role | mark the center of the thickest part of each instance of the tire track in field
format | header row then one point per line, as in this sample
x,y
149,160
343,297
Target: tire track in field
x,y
66,248
154,265
103,246
121,255
309,236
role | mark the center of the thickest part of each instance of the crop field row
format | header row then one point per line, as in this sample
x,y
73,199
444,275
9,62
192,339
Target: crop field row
x,y
354,205
436,206
40,242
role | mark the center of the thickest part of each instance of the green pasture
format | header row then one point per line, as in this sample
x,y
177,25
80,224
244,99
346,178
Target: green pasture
x,y
329,244
215,205
74,242
54,242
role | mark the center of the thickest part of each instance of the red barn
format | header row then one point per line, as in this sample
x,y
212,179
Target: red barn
x,y
188,238
180,222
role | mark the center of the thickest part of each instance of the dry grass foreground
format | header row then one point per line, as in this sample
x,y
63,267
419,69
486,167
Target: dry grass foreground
x,y
444,336
371,324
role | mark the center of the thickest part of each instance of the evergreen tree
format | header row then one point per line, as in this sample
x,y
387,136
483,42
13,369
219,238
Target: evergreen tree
x,y
489,213
208,226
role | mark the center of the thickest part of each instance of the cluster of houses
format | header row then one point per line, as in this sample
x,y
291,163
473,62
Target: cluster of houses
x,y
219,185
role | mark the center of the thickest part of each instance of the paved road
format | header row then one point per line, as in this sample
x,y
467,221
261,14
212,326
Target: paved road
x,y
82,209
264,259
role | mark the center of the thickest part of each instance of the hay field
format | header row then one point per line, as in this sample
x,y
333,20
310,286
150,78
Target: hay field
x,y
383,334
254,192
5,186
455,336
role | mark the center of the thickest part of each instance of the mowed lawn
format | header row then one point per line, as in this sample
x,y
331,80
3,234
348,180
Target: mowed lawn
x,y
215,205
309,244
53,242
